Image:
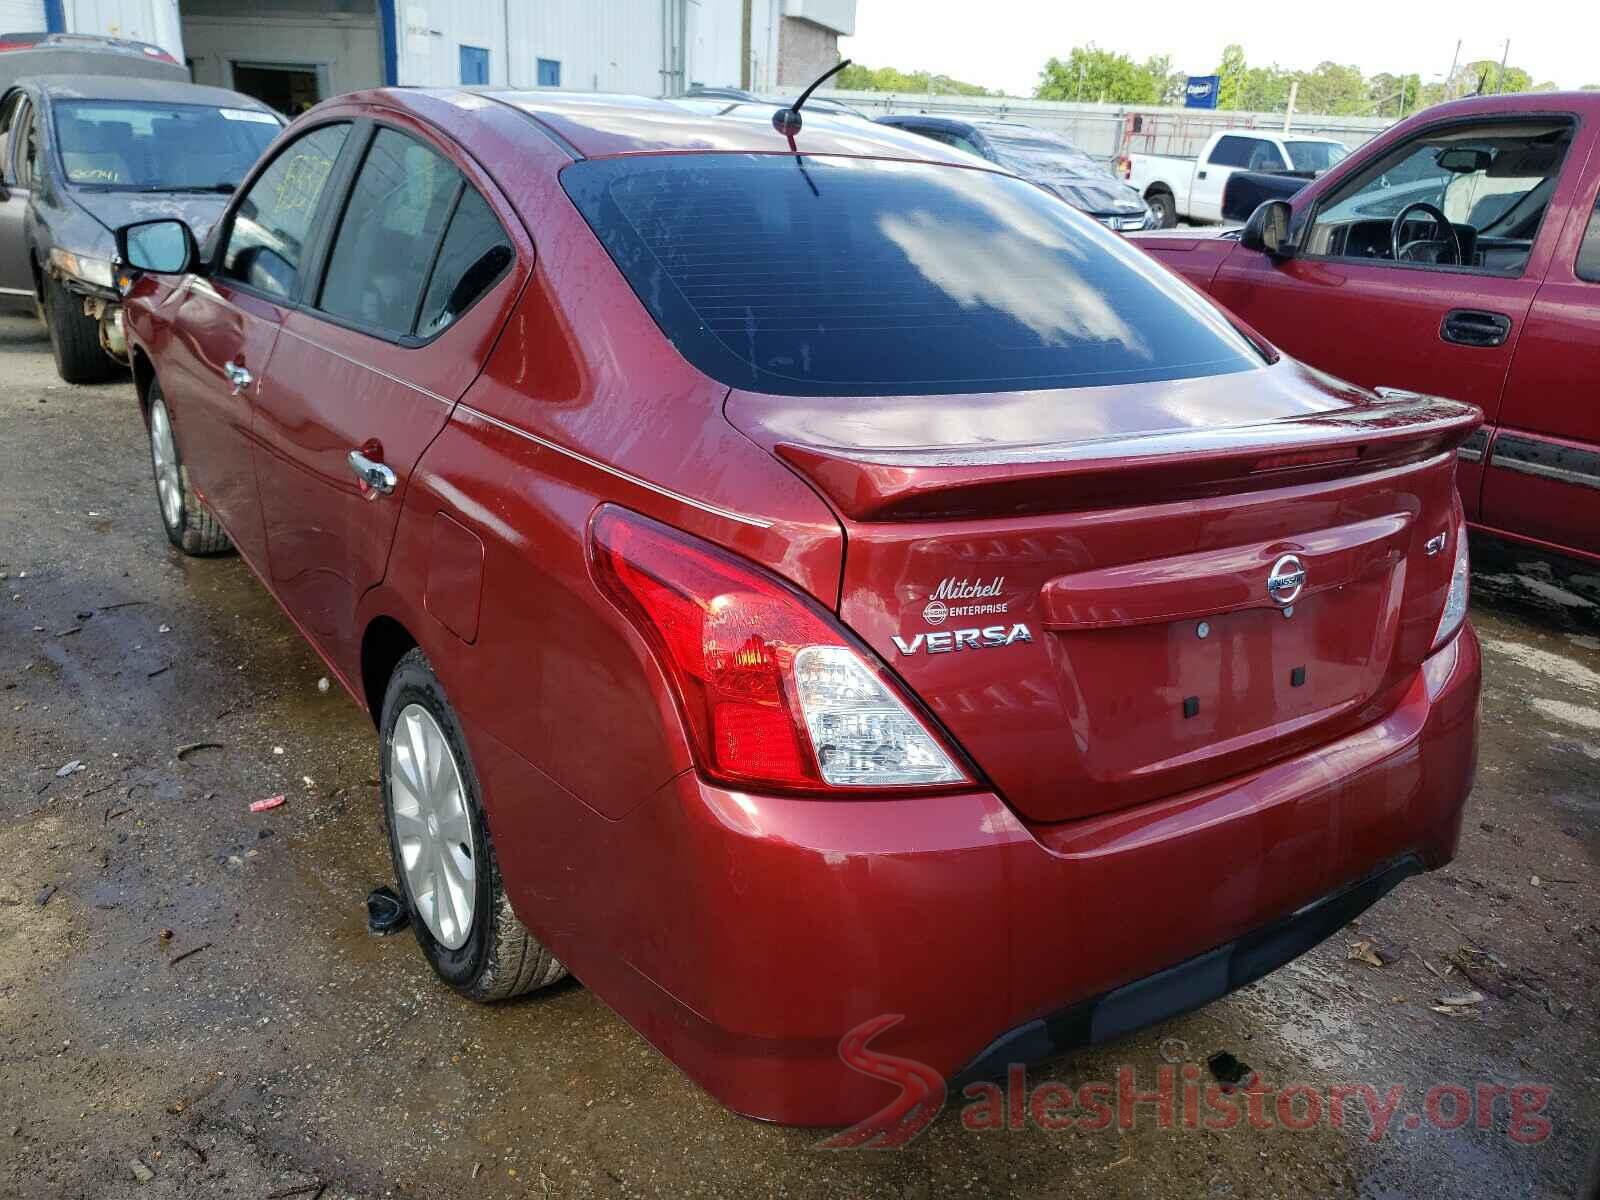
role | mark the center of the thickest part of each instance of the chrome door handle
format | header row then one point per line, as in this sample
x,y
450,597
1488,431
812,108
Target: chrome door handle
x,y
237,376
377,479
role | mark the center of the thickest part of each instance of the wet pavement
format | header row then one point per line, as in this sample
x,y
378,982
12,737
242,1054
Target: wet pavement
x,y
197,1000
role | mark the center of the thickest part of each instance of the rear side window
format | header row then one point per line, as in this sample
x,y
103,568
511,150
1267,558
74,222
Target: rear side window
x,y
392,223
1589,250
1234,151
846,276
476,252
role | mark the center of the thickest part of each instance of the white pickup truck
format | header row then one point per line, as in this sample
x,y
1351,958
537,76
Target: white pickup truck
x,y
1191,188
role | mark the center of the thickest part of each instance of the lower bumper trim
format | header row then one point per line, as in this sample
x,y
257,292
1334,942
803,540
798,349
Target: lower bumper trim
x,y
1189,985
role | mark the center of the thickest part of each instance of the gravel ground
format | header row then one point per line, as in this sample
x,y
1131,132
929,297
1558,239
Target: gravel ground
x,y
267,1043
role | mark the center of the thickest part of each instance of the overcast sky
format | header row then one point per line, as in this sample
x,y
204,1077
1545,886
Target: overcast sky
x,y
1003,43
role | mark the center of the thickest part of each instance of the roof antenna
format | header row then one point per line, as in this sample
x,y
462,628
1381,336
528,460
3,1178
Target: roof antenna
x,y
787,121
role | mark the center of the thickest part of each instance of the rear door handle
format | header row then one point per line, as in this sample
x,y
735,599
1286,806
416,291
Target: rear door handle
x,y
1474,327
237,376
376,479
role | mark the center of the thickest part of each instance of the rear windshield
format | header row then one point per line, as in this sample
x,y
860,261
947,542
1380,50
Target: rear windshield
x,y
814,276
1315,156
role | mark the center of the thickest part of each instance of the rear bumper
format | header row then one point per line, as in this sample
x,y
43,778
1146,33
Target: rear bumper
x,y
746,935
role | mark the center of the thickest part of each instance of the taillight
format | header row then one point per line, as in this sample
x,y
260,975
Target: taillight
x,y
1455,601
775,694
1124,166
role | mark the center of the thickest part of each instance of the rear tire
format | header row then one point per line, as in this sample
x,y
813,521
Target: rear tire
x,y
74,338
188,522
1164,208
485,953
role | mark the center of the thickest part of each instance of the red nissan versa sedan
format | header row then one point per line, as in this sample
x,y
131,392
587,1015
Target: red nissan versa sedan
x,y
806,581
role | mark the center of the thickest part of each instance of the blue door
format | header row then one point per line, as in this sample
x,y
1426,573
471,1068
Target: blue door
x,y
549,72
474,65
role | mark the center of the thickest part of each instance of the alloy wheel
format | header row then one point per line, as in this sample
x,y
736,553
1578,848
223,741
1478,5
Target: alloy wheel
x,y
164,458
428,806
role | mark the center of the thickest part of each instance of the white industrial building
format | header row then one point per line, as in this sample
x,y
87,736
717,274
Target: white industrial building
x,y
292,53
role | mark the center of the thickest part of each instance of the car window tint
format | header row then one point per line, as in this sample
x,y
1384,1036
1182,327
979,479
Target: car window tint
x,y
1589,251
475,254
1233,151
267,241
848,276
397,211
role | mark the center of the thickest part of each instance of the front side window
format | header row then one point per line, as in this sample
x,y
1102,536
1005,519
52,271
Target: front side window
x,y
397,211
817,275
266,244
9,111
27,138
1589,249
146,147
1266,157
1492,183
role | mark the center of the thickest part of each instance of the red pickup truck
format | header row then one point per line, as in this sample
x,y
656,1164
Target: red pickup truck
x,y
1458,255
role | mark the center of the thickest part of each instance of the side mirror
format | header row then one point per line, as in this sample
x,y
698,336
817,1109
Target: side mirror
x,y
1267,230
163,247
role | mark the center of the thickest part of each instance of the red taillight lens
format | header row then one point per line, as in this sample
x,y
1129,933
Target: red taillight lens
x,y
774,693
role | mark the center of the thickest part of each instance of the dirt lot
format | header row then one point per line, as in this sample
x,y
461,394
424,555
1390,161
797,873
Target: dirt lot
x,y
270,1044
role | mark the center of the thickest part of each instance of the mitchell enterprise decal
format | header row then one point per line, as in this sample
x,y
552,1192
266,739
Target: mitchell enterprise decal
x,y
940,607
964,598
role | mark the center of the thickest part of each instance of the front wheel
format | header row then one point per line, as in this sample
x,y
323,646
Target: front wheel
x,y
443,856
188,522
1164,208
74,338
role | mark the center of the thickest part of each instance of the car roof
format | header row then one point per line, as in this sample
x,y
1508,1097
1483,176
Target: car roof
x,y
127,87
603,125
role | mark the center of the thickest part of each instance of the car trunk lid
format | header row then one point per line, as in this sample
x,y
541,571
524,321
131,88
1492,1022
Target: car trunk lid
x,y
1077,584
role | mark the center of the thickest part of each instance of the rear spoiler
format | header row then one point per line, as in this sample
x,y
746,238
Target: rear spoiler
x,y
1096,473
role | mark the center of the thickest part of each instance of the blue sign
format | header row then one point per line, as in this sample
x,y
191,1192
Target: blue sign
x,y
1201,91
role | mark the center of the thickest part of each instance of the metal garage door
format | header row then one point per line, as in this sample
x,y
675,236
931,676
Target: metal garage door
x,y
21,16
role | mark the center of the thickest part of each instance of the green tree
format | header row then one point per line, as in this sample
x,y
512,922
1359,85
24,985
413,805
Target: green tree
x,y
1094,75
1232,69
860,78
1169,83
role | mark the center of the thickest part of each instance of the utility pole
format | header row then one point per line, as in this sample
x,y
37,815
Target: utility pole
x,y
1500,85
1288,113
1450,79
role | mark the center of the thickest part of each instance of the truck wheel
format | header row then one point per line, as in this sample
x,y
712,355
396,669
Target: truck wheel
x,y
1164,208
74,338
443,856
188,522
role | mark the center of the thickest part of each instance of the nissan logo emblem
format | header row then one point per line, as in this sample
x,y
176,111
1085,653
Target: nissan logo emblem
x,y
1286,580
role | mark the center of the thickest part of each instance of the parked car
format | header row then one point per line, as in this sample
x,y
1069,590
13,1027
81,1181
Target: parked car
x,y
1041,157
1180,187
742,96
81,155
747,635
1458,254
24,54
